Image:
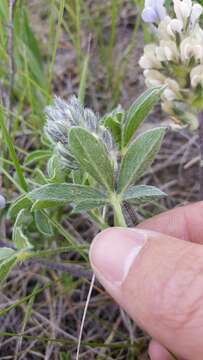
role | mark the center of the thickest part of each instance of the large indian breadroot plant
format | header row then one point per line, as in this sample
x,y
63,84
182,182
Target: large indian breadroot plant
x,y
175,59
94,163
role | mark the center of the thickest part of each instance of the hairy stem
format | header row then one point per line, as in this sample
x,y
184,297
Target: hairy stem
x,y
200,117
119,219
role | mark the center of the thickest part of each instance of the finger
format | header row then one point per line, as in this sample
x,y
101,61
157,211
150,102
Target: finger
x,y
185,223
158,352
158,280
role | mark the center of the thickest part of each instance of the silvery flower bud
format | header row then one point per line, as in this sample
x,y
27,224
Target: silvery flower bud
x,y
61,116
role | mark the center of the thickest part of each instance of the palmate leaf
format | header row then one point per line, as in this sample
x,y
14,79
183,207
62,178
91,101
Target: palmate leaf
x,y
59,194
139,157
142,193
92,156
139,110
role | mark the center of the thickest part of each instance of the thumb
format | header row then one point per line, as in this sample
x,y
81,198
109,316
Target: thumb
x,y
158,280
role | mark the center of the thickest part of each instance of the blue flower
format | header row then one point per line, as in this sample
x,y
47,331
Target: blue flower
x,y
154,11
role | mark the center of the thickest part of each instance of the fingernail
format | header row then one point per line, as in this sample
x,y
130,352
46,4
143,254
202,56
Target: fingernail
x,y
113,252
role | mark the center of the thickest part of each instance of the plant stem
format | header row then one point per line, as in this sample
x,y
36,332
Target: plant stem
x,y
200,117
119,219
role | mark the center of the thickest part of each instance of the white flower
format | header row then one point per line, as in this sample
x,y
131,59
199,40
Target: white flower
x,y
167,51
154,78
154,11
182,9
191,47
197,10
172,91
175,26
149,59
196,76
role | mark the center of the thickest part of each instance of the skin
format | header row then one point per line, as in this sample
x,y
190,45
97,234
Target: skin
x,y
162,289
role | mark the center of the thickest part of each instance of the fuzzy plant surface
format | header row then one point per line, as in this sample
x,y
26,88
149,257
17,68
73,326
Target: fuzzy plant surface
x,y
93,163
175,59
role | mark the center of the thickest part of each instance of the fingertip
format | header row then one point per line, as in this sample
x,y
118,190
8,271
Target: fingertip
x,y
157,352
113,252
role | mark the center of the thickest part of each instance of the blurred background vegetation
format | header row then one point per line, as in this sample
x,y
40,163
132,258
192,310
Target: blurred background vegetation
x,y
65,47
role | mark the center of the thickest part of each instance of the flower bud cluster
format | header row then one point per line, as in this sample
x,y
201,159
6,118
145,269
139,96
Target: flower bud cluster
x,y
175,59
62,116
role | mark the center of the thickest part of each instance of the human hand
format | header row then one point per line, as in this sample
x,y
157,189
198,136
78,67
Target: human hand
x,y
155,273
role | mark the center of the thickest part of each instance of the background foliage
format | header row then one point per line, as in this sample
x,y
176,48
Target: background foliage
x,y
90,48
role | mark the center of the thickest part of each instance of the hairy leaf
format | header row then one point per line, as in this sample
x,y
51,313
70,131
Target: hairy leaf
x,y
142,193
139,157
88,205
6,266
43,224
19,238
91,154
112,121
22,202
139,111
5,253
37,155
59,194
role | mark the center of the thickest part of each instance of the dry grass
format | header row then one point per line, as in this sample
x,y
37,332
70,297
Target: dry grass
x,y
49,320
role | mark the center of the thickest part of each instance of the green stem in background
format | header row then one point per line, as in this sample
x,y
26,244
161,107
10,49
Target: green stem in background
x,y
12,152
57,37
114,16
200,118
83,79
78,29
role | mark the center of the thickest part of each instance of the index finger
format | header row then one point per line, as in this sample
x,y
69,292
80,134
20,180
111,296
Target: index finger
x,y
185,223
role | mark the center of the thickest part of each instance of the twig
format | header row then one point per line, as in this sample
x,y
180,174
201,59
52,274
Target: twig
x,y
84,316
72,269
200,117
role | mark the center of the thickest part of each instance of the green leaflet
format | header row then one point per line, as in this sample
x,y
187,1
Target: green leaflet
x,y
42,223
37,155
139,111
91,154
139,157
22,202
19,238
5,253
6,266
59,194
88,205
112,121
142,193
